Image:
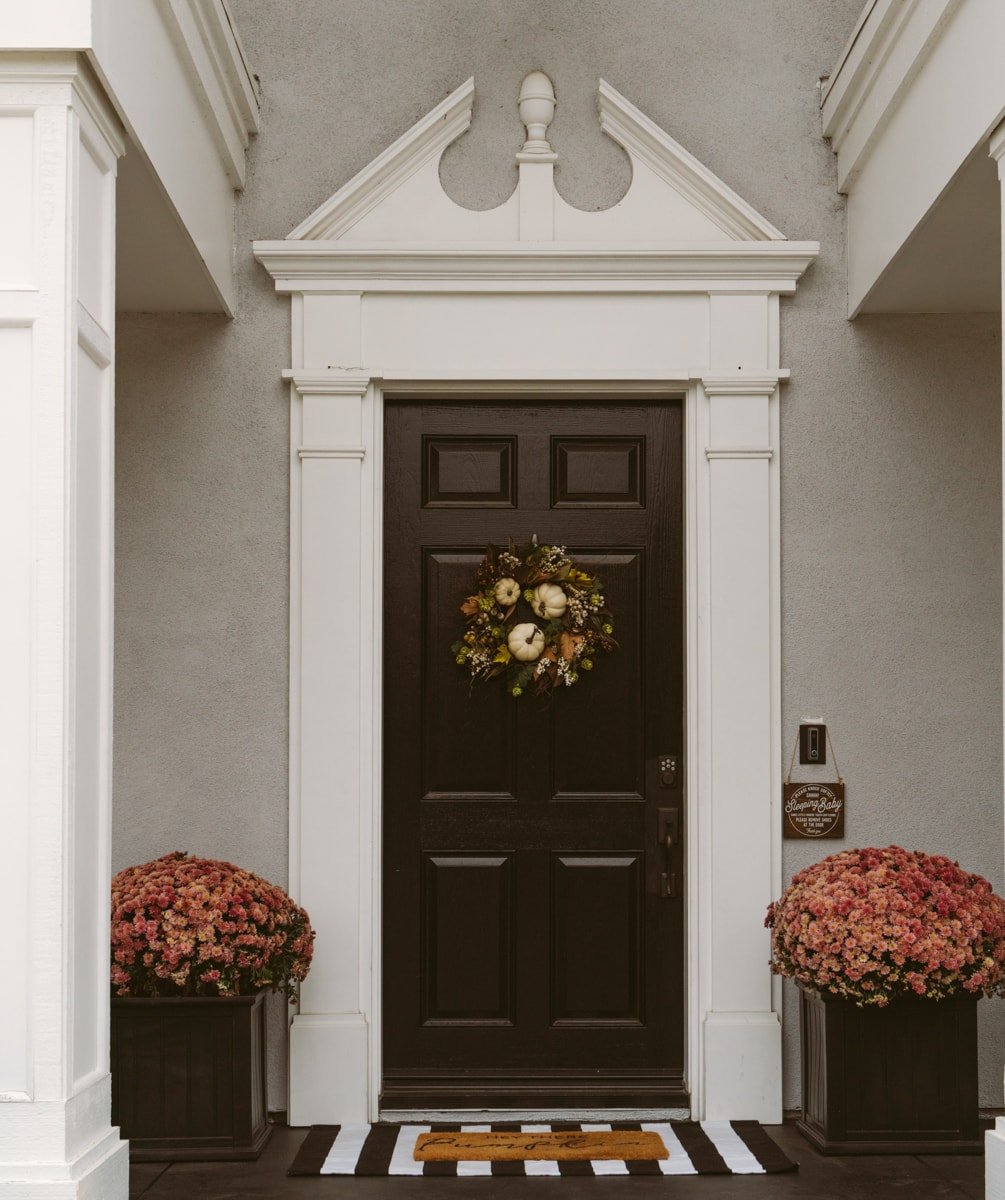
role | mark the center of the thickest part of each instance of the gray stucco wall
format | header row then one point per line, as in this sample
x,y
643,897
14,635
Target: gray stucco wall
x,y
890,426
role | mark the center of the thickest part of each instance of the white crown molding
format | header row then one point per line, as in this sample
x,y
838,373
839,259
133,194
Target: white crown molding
x,y
757,383
640,136
332,382
214,61
46,70
776,266
426,140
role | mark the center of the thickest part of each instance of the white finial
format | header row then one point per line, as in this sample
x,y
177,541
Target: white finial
x,y
537,109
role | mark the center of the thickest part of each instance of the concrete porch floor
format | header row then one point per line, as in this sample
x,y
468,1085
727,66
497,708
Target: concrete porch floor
x,y
938,1177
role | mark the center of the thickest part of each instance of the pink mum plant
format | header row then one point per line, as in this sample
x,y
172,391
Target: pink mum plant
x,y
186,926
875,924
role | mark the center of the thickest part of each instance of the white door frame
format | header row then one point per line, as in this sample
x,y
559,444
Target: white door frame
x,y
325,1036
537,298
476,393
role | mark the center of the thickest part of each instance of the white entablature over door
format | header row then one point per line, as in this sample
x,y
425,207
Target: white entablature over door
x,y
397,290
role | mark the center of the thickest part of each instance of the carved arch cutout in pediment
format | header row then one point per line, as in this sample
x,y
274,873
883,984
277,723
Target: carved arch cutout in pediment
x,y
398,197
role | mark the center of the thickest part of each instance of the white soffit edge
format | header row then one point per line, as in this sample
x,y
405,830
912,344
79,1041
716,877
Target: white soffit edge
x,y
398,198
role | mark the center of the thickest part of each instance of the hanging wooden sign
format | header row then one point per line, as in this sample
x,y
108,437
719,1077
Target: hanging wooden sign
x,y
813,810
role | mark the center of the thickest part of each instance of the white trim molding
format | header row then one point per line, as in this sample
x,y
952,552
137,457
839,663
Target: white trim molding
x,y
214,59
994,1139
398,292
914,96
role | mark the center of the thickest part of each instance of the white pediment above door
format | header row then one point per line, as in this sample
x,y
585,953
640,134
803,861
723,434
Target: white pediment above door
x,y
398,198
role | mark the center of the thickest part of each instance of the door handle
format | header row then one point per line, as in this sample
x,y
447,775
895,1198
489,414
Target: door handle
x,y
668,834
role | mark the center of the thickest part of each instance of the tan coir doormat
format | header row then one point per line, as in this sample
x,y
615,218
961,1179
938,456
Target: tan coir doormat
x,y
622,1144
689,1148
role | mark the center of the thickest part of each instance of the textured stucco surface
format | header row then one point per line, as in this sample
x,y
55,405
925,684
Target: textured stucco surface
x,y
890,426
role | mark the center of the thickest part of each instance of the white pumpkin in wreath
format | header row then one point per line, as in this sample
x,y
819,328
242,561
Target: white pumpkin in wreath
x,y
549,601
525,642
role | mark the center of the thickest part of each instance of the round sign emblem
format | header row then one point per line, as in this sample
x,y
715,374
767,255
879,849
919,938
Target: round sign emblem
x,y
814,810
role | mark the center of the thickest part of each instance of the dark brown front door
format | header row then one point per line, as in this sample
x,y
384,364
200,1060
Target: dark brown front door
x,y
533,933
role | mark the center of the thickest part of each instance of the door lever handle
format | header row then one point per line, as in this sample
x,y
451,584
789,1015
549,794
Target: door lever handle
x,y
667,833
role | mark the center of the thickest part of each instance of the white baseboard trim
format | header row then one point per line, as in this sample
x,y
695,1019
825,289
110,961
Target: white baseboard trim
x,y
994,1161
329,1069
743,1067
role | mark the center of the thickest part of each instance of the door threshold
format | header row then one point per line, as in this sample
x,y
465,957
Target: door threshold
x,y
528,1116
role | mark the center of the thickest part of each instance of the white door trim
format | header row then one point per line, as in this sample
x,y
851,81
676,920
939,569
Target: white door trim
x,y
358,1034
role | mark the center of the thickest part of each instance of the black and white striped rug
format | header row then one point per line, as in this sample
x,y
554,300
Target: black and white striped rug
x,y
696,1148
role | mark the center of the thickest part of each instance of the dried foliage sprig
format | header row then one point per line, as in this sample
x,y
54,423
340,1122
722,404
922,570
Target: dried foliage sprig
x,y
536,618
185,926
875,924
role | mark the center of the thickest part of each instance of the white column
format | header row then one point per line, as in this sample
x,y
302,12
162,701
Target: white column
x,y
331,681
741,1050
994,1142
59,143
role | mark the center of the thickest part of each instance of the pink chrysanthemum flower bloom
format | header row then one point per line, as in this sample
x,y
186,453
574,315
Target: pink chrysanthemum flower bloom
x,y
875,924
177,921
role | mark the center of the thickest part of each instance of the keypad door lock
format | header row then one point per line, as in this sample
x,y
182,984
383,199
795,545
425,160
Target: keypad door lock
x,y
668,770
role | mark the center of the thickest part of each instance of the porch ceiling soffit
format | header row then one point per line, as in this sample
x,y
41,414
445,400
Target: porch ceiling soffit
x,y
678,227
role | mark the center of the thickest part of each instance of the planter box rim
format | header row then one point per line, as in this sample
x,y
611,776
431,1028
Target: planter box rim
x,y
833,998
190,1000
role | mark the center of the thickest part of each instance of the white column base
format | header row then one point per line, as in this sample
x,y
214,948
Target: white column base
x,y
743,1067
329,1069
994,1161
63,1149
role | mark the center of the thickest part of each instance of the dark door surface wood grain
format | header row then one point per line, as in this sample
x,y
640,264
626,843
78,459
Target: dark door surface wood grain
x,y
529,957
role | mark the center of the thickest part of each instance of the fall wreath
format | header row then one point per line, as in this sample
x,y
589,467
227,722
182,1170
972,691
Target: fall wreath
x,y
535,617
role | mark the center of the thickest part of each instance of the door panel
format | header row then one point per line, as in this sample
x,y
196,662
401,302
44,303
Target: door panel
x,y
529,957
469,938
597,903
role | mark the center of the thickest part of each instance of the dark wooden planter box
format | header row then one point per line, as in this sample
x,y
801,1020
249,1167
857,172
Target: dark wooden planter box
x,y
188,1077
894,1080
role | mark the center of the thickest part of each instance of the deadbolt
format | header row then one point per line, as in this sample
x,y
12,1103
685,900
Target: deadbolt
x,y
668,770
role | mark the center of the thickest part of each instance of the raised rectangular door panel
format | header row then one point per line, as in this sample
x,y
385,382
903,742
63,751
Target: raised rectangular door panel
x,y
469,472
598,472
468,938
529,957
597,962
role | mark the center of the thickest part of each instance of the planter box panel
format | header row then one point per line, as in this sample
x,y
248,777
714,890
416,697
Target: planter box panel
x,y
188,1077
900,1079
